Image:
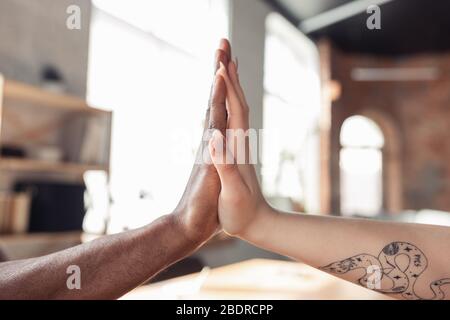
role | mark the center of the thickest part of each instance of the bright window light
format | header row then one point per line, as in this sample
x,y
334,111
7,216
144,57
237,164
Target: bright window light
x,y
361,163
290,150
151,63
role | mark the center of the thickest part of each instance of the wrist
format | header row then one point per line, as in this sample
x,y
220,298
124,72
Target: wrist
x,y
188,229
261,224
168,231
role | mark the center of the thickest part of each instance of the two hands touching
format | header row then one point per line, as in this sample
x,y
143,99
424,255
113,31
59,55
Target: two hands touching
x,y
223,193
408,257
112,265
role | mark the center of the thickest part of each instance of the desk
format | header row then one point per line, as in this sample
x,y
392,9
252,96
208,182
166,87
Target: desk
x,y
255,279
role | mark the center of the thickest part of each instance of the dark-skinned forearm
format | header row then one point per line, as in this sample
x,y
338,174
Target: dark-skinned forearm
x,y
110,266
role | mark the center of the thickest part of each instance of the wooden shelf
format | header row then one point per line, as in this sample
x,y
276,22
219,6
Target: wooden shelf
x,y
29,165
20,92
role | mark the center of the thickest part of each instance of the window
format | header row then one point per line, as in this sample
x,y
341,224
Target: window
x,y
361,166
151,63
290,146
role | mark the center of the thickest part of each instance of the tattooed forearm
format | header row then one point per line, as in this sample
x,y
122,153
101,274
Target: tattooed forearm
x,y
392,278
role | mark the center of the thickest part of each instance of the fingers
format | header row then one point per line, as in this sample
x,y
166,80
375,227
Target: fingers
x,y
237,111
225,47
222,55
218,112
234,103
232,70
224,163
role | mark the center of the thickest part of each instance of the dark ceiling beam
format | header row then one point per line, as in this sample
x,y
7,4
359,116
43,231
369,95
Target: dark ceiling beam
x,y
337,14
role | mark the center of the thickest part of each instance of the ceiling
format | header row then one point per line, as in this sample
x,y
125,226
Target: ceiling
x,y
407,26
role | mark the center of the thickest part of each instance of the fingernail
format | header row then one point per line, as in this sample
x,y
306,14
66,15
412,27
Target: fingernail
x,y
222,66
236,62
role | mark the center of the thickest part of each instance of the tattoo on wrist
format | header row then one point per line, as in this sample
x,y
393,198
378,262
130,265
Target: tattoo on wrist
x,y
392,277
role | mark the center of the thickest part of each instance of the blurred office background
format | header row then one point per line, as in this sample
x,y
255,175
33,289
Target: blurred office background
x,y
100,124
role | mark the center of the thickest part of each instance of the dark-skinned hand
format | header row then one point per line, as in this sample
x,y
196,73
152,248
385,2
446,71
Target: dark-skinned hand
x,y
197,211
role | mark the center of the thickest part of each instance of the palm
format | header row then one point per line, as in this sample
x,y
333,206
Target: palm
x,y
240,198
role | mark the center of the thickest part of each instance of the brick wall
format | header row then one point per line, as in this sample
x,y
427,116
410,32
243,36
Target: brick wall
x,y
420,113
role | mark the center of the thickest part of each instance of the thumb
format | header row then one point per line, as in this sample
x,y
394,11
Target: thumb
x,y
224,163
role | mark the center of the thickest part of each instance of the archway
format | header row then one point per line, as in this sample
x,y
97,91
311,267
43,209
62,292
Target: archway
x,y
370,165
361,167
